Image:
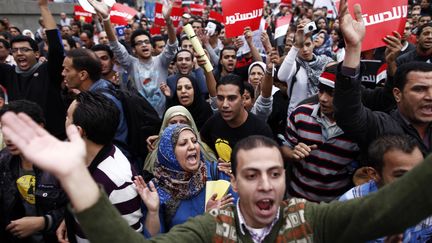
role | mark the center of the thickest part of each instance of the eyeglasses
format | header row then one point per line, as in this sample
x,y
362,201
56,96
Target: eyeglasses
x,y
21,49
142,42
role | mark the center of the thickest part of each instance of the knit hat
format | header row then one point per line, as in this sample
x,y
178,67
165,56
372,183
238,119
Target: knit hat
x,y
328,77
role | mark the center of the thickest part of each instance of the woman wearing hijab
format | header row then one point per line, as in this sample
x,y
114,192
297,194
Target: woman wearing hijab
x,y
175,115
177,192
323,44
188,95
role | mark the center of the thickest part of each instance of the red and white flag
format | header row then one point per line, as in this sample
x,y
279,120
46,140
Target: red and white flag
x,y
380,19
82,15
197,9
216,16
282,25
120,14
238,16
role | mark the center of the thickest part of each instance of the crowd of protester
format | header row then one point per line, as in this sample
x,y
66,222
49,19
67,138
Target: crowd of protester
x,y
152,126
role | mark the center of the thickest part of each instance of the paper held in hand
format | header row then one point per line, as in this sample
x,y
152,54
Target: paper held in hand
x,y
220,187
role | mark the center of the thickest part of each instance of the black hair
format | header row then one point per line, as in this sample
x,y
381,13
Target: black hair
x,y
30,108
386,143
197,21
183,38
183,50
249,143
16,28
97,115
249,88
139,32
70,41
85,59
88,33
234,80
400,77
421,28
226,48
24,38
155,39
5,43
101,47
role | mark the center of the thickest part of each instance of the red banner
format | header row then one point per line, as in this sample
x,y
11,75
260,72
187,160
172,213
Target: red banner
x,y
82,15
216,16
176,14
120,14
197,9
238,16
380,19
155,30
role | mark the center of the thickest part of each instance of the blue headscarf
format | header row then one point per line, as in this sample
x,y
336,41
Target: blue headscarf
x,y
174,184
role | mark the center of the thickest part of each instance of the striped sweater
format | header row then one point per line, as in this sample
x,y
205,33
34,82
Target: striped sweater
x,y
326,173
113,171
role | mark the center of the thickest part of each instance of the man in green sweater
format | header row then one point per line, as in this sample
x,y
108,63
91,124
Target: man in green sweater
x,y
259,178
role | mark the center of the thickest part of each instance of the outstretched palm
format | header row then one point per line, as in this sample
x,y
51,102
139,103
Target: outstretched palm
x,y
148,194
100,7
353,29
43,149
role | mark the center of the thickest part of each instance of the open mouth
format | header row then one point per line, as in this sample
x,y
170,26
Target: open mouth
x,y
192,158
427,109
265,204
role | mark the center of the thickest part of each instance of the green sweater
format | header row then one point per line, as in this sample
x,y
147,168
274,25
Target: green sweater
x,y
389,211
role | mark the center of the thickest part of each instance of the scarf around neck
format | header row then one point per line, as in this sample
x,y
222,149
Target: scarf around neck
x,y
29,72
314,69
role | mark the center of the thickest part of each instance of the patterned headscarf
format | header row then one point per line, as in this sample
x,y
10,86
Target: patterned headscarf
x,y
172,182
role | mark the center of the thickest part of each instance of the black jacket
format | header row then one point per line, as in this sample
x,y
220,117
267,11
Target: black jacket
x,y
43,87
49,197
364,125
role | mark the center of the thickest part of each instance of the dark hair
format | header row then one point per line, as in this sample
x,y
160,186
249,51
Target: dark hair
x,y
155,39
88,33
226,48
234,80
249,143
183,38
2,22
248,87
101,47
139,32
5,43
24,38
30,108
384,144
400,78
197,21
97,115
70,41
421,28
5,34
183,50
16,28
85,59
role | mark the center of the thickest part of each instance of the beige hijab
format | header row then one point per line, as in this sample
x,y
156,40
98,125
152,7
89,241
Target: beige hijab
x,y
173,111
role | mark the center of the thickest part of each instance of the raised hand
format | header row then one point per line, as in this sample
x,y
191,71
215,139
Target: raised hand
x,y
43,2
148,194
248,35
101,8
265,40
43,149
353,29
166,10
299,35
165,89
216,204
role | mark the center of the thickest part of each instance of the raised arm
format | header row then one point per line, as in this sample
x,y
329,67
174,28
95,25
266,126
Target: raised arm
x,y
55,45
249,40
